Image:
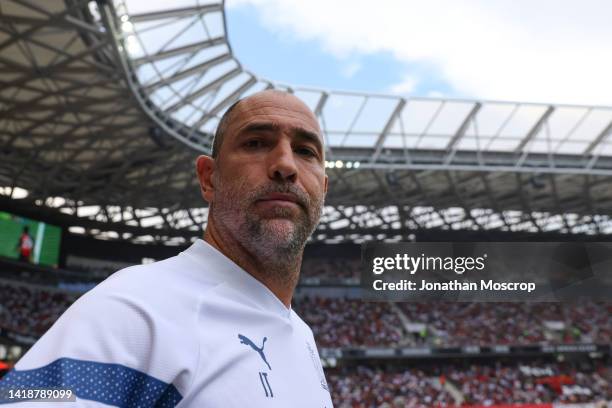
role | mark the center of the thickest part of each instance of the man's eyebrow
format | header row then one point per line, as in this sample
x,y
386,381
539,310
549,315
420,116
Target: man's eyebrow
x,y
259,127
299,132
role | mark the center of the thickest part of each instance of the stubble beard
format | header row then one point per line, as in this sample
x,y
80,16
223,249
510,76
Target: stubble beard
x,y
276,240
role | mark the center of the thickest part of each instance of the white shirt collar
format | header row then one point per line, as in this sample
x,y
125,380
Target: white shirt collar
x,y
229,272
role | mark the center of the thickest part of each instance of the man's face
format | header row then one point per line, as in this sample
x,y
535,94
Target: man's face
x,y
269,178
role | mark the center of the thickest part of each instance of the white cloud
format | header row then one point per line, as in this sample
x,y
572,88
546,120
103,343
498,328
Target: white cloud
x,y
545,50
349,70
405,86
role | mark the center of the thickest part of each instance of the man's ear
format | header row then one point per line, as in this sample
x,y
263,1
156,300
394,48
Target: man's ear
x,y
205,167
325,186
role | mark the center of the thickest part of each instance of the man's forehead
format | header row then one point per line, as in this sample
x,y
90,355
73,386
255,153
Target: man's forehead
x,y
276,108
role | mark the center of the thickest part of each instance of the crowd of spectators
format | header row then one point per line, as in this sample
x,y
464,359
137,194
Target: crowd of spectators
x,y
482,324
543,383
339,322
490,385
473,385
98,269
342,322
365,387
338,270
30,310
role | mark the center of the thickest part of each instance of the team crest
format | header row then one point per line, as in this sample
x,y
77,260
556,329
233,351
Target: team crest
x,y
317,366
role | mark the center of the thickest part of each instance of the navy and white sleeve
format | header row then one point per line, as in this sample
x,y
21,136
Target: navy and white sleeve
x,y
110,348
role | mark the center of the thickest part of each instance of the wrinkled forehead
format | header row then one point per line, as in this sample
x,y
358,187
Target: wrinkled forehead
x,y
276,108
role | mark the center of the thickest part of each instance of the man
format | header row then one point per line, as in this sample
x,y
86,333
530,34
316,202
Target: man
x,y
25,244
213,326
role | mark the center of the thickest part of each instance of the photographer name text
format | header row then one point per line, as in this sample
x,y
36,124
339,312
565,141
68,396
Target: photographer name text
x,y
454,285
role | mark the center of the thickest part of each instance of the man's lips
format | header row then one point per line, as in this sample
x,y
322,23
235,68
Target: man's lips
x,y
280,199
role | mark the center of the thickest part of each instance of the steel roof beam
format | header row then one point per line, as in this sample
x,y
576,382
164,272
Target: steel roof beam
x,y
318,110
178,13
605,132
15,19
451,147
185,49
204,90
378,146
212,112
188,72
36,106
50,70
34,211
525,202
65,22
53,18
535,129
463,127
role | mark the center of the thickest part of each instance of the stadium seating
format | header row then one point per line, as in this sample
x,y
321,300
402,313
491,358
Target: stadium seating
x,y
468,385
457,324
341,322
365,386
31,310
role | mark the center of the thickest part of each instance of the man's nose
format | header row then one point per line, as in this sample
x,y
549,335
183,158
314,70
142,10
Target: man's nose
x,y
282,166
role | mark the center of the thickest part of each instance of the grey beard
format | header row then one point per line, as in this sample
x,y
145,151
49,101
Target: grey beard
x,y
269,244
279,255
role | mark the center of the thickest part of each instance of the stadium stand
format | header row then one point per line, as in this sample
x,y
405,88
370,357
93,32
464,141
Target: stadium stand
x,y
482,324
366,386
330,270
340,322
469,384
28,310
343,322
107,139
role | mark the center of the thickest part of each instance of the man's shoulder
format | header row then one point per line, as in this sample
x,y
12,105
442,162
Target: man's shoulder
x,y
126,312
137,324
170,287
301,324
177,273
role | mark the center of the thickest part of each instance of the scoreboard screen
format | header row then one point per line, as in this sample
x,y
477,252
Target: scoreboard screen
x,y
46,238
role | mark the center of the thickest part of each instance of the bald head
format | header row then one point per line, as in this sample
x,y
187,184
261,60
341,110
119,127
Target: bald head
x,y
271,96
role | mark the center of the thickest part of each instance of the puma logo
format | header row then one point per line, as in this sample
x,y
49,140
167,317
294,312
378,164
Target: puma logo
x,y
259,350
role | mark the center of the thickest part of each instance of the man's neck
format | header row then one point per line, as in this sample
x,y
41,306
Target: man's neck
x,y
259,269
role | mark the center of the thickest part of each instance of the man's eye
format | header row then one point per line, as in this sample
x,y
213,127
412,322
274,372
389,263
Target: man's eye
x,y
254,143
306,151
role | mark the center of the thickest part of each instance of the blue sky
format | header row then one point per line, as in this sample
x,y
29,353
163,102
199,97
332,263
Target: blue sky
x,y
555,51
292,60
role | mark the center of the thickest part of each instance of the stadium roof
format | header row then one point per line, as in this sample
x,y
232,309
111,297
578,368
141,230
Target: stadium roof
x,y
105,106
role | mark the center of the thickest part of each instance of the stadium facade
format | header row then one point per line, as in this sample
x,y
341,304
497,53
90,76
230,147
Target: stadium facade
x,y
104,107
